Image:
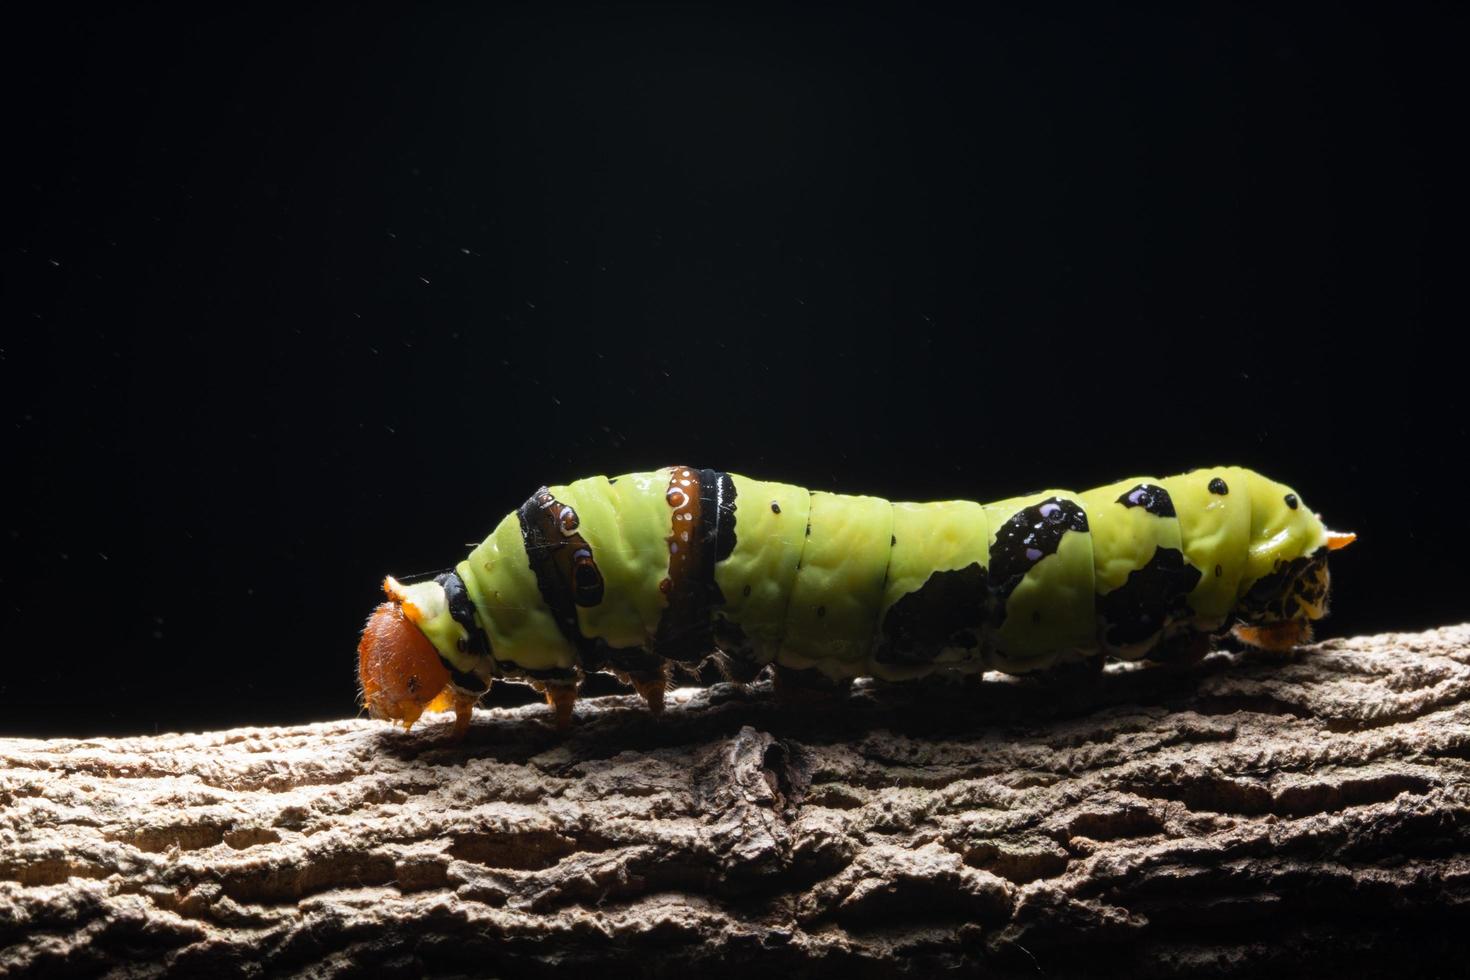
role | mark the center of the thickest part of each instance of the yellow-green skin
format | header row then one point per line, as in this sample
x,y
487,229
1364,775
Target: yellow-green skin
x,y
813,576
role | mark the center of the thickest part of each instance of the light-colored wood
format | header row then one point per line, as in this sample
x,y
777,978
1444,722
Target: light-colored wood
x,y
1303,814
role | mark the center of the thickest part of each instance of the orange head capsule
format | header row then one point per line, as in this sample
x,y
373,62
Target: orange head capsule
x,y
398,668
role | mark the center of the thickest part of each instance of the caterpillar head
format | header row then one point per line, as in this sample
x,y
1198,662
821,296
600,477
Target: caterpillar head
x,y
1284,588
398,668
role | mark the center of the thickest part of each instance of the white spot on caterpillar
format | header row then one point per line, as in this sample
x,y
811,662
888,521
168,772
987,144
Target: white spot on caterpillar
x,y
1271,544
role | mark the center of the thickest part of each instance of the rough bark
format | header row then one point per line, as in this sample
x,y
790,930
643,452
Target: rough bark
x,y
1304,814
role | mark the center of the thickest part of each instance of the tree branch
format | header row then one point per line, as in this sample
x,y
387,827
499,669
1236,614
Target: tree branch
x,y
1305,815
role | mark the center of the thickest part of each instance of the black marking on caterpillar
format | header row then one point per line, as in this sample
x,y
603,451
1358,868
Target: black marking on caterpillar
x,y
1152,596
1030,535
1152,498
548,528
1271,598
476,643
539,546
947,610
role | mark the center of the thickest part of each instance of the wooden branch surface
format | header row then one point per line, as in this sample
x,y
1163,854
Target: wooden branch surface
x,y
1305,815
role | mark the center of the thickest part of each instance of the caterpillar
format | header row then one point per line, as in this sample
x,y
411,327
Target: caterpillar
x,y
632,574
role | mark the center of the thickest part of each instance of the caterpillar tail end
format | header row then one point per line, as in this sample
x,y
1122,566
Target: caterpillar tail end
x,y
1280,637
398,669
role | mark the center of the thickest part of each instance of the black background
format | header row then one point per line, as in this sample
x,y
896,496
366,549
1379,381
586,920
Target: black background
x,y
295,298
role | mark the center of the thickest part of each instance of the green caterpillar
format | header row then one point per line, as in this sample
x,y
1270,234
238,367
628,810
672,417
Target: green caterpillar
x,y
631,573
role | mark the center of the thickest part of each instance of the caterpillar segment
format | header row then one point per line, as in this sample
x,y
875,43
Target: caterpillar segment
x,y
642,573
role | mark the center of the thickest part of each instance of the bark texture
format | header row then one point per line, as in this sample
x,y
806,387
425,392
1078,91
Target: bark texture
x,y
1302,815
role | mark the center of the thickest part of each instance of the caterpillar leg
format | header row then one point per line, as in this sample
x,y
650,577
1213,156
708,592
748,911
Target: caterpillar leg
x,y
737,669
464,713
562,697
650,685
463,706
1275,637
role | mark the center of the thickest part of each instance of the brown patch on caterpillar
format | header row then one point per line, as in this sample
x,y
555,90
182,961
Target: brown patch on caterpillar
x,y
697,536
558,524
684,540
398,668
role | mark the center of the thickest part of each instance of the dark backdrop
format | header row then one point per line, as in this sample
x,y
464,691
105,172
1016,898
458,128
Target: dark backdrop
x,y
295,298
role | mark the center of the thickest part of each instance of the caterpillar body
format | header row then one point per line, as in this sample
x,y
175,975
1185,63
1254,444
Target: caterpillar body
x,y
633,573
